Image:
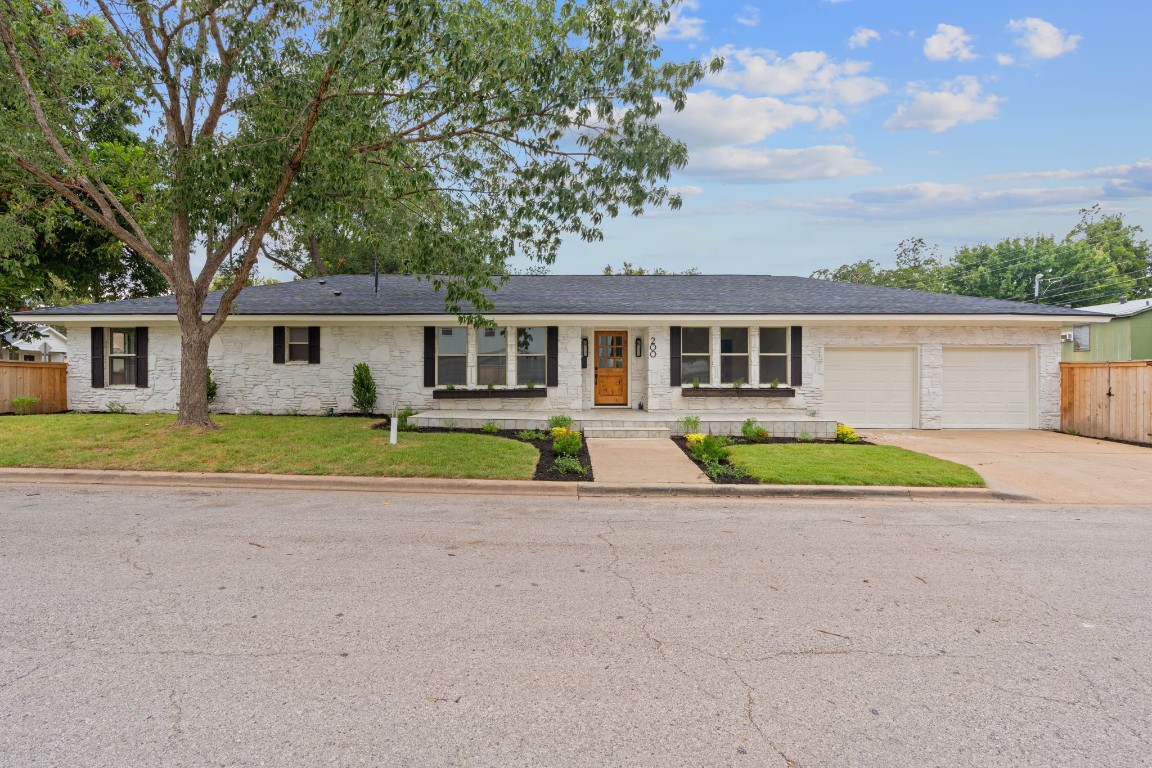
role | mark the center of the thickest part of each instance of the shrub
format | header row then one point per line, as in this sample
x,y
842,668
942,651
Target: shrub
x,y
717,471
491,386
559,431
530,384
531,434
568,444
694,439
363,389
688,424
845,434
115,406
569,465
489,428
24,405
713,448
738,383
775,384
805,437
754,432
695,382
559,420
402,420
213,388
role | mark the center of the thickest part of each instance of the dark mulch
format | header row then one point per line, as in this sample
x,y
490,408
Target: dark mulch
x,y
545,467
683,443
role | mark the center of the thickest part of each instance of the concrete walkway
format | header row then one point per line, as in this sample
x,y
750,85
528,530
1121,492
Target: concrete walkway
x,y
1048,466
645,461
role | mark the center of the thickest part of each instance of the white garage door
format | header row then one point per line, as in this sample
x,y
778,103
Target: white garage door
x,y
988,388
871,386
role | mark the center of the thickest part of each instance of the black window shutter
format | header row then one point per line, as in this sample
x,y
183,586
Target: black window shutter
x,y
278,344
313,345
674,355
97,358
429,356
553,356
141,357
797,356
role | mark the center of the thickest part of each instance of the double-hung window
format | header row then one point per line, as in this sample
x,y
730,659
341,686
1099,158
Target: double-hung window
x,y
452,356
122,356
491,356
531,355
298,345
695,349
773,355
733,355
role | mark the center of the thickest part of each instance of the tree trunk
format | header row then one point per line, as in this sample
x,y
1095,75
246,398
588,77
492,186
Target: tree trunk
x,y
194,378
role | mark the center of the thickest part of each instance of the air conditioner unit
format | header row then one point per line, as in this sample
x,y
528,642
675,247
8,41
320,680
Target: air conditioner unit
x,y
1066,336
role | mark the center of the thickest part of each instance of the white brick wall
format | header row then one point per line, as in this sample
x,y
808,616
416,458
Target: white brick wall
x,y
241,361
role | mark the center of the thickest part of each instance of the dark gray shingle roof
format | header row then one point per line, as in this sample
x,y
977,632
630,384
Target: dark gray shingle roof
x,y
587,295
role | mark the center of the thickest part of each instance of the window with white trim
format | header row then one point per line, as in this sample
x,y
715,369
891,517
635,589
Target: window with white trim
x,y
695,355
491,356
298,345
531,355
774,355
1081,338
733,355
452,356
122,357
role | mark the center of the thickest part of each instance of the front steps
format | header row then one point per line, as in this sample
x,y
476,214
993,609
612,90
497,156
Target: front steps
x,y
622,423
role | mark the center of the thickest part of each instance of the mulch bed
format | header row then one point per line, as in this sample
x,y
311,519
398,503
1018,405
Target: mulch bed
x,y
545,467
683,443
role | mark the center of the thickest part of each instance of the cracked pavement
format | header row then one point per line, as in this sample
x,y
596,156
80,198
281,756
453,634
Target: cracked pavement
x,y
180,627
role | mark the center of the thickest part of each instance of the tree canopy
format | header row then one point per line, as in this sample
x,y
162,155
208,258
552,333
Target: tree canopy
x,y
475,131
1100,260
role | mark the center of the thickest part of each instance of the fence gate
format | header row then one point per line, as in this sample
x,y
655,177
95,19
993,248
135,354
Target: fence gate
x,y
47,381
1112,400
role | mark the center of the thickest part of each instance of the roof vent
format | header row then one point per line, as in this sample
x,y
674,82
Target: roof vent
x,y
1123,299
322,282
336,293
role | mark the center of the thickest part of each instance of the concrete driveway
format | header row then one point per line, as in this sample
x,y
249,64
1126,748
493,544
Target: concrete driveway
x,y
1049,466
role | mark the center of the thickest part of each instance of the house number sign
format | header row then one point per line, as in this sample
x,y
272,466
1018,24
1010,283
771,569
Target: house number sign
x,y
652,347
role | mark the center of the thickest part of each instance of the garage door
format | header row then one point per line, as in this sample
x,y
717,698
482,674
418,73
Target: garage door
x,y
988,388
871,386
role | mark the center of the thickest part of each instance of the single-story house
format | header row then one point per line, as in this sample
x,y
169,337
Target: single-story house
x,y
864,355
47,345
1128,336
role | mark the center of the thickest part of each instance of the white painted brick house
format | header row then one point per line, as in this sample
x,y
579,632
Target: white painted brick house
x,y
867,356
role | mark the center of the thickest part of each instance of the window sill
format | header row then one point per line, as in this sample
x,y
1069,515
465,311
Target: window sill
x,y
741,392
487,394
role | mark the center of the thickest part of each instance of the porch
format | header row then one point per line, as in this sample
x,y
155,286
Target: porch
x,y
623,422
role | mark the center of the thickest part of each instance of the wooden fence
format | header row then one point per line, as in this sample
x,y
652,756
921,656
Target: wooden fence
x,y
1111,400
47,381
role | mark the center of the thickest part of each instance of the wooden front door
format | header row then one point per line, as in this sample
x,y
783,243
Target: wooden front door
x,y
611,368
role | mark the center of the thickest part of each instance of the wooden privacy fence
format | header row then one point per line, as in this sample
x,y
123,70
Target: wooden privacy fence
x,y
1111,400
47,381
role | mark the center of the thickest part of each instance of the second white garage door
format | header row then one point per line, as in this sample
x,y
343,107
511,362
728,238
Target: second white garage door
x,y
988,388
873,387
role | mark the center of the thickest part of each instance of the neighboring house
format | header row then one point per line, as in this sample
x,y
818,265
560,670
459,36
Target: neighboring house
x,y
48,345
865,355
1127,337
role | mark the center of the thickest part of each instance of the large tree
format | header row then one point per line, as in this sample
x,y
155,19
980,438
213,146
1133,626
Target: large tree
x,y
535,120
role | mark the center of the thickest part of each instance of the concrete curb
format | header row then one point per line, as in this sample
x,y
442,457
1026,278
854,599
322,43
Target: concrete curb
x,y
495,487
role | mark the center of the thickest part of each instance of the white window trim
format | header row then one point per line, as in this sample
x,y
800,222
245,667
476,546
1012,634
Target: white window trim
x,y
787,355
108,357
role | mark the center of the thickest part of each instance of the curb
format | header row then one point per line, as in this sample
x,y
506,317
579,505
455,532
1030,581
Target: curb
x,y
495,487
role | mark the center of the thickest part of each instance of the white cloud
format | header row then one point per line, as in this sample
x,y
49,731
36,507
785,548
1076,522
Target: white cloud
x,y
680,26
749,16
809,75
687,190
932,199
861,36
1005,60
949,43
711,120
958,102
1127,180
748,165
1041,39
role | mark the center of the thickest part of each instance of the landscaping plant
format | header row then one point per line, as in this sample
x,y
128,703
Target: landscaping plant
x,y
568,444
845,434
489,428
753,432
688,424
713,448
402,420
213,388
363,389
531,434
569,465
24,405
559,420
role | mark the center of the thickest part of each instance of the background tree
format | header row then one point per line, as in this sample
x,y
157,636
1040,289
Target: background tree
x,y
535,120
628,269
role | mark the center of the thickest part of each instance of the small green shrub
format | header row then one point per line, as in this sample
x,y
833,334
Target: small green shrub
x,y
689,424
695,382
531,434
718,471
213,388
845,434
363,389
491,386
402,422
806,437
775,384
568,444
569,465
713,448
754,432
450,387
738,383
559,420
114,406
530,384
489,428
24,405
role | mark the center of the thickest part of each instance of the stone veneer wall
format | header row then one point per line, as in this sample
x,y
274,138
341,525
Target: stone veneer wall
x,y
241,361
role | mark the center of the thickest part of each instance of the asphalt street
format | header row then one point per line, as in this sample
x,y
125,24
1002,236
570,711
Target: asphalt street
x,y
154,627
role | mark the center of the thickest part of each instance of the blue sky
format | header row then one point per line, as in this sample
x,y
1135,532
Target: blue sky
x,y
839,127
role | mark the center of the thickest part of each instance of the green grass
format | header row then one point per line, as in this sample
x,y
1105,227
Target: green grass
x,y
289,445
837,464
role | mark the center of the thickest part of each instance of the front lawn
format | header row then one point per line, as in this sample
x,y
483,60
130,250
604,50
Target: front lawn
x,y
841,464
287,445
